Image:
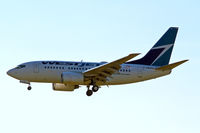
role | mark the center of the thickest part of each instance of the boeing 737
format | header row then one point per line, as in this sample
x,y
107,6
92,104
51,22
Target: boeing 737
x,y
68,76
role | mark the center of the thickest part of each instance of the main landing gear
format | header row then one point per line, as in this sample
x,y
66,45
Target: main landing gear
x,y
94,89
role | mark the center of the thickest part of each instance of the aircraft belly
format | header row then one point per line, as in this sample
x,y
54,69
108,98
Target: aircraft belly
x,y
122,79
132,78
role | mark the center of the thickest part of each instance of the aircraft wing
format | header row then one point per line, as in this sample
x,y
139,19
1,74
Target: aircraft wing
x,y
100,73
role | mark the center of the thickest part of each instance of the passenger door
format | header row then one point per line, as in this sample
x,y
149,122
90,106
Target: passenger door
x,y
36,67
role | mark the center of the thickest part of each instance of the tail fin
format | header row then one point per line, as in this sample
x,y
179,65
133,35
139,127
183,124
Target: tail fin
x,y
160,53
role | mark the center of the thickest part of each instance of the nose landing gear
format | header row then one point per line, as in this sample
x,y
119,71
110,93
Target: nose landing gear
x,y
26,82
29,88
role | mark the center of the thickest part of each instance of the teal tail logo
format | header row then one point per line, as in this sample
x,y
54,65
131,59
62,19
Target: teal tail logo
x,y
160,53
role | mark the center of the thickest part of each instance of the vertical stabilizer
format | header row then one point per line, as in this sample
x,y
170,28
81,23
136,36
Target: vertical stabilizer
x,y
160,53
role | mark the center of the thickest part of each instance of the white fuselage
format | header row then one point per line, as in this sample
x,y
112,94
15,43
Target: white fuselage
x,y
51,71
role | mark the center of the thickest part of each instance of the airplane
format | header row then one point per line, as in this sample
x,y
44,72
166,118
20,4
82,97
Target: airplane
x,y
68,75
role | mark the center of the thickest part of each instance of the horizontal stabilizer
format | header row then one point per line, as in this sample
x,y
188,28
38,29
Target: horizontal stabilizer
x,y
171,66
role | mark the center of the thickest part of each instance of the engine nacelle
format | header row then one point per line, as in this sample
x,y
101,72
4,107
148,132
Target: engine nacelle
x,y
72,78
64,87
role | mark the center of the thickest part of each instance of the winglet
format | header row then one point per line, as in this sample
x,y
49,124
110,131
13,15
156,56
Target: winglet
x,y
171,66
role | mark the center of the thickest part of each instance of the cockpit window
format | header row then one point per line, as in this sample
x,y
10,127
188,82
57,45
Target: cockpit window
x,y
20,66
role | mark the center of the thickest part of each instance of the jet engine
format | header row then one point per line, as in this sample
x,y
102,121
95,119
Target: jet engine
x,y
72,78
64,87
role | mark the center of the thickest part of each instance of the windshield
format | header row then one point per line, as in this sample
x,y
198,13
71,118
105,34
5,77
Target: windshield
x,y
20,66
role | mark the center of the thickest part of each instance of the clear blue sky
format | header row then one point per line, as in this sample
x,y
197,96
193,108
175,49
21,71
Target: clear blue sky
x,y
102,30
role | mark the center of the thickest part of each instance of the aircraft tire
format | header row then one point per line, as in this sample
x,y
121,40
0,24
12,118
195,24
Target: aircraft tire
x,y
29,88
89,92
95,88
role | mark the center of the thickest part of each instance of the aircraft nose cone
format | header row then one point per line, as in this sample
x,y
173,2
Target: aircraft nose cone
x,y
11,72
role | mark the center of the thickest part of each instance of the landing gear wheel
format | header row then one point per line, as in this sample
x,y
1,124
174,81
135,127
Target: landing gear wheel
x,y
95,88
89,92
29,88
